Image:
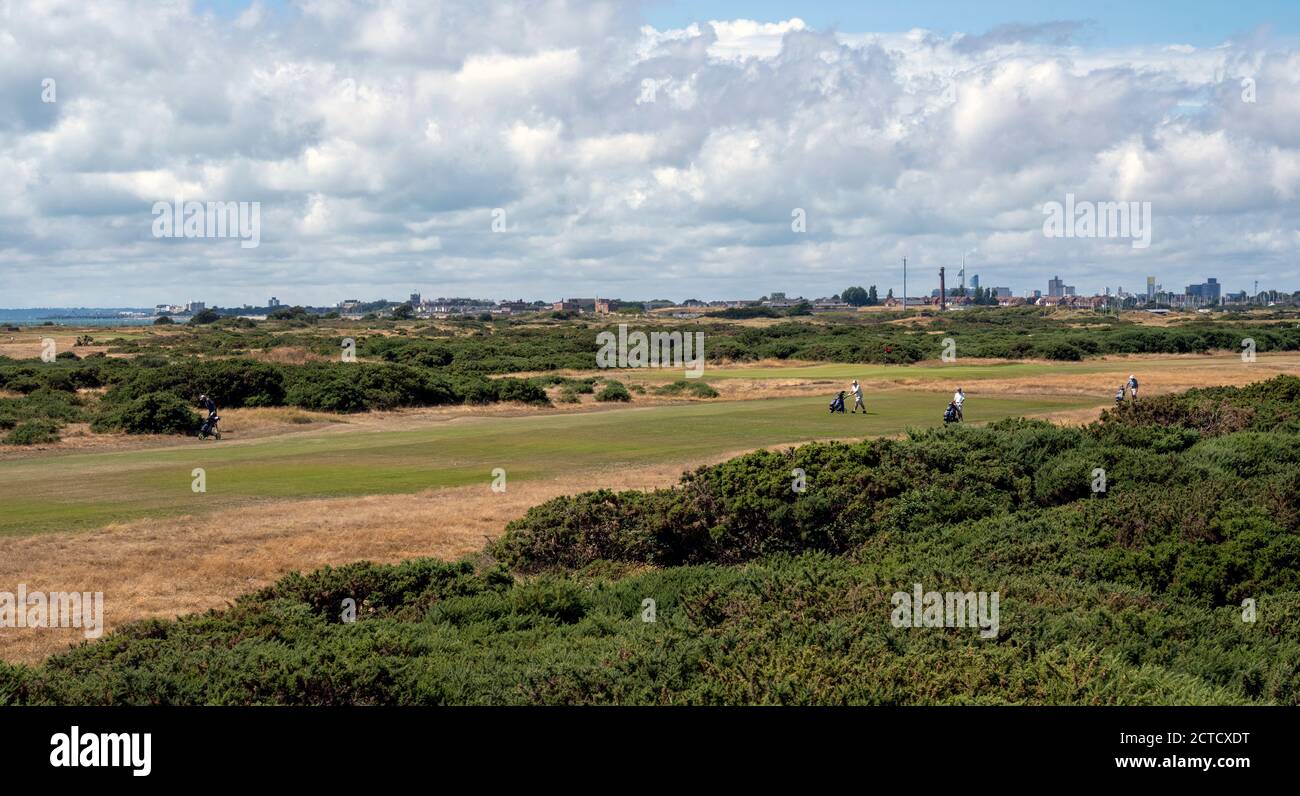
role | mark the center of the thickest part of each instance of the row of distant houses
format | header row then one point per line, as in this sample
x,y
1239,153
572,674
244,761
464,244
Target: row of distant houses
x,y
963,302
443,307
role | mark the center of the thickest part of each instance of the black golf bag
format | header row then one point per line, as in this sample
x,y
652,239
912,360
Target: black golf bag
x,y
209,428
837,404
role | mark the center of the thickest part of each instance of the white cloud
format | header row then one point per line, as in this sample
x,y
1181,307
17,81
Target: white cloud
x,y
379,136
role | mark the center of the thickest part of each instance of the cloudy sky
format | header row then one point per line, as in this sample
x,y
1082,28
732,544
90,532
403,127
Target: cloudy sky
x,y
543,149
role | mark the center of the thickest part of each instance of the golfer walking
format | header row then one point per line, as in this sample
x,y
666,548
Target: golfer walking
x,y
857,398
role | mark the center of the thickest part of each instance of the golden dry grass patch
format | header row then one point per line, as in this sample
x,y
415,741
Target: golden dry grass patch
x,y
289,355
167,567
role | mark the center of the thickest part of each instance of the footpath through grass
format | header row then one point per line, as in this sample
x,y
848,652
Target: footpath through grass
x,y
89,490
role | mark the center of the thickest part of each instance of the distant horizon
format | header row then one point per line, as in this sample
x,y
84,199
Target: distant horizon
x,y
149,307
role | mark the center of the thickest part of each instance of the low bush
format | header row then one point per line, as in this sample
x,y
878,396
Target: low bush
x,y
152,413
33,432
613,391
691,387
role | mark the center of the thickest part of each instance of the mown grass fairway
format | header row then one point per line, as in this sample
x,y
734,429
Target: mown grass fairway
x,y
956,372
87,490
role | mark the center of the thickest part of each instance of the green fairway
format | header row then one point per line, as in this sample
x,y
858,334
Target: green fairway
x,y
933,371
87,490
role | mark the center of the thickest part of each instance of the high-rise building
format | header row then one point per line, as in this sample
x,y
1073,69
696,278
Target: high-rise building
x,y
415,299
1057,287
975,282
1151,288
1207,292
274,302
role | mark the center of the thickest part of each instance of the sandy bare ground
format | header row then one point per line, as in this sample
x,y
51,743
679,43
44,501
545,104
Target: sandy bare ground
x,y
164,568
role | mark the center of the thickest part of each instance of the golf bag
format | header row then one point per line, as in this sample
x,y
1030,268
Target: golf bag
x,y
951,414
209,428
837,404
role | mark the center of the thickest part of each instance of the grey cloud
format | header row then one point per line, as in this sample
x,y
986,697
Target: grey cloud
x,y
1055,34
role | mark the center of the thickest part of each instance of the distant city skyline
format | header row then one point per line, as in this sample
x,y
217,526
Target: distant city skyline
x,y
917,288
1209,290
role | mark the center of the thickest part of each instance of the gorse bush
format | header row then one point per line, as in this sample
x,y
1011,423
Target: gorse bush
x,y
1268,405
152,413
472,347
613,391
746,508
42,404
230,382
691,387
33,432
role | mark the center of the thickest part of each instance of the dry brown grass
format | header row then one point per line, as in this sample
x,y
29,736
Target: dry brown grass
x,y
289,355
168,567
235,423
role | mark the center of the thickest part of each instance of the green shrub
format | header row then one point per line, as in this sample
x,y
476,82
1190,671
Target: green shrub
x,y
33,432
613,391
153,413
692,387
520,390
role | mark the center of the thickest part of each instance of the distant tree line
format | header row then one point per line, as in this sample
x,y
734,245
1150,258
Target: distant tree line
x,y
860,297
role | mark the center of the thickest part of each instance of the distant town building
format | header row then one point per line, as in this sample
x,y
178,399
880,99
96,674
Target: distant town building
x,y
778,301
414,300
1206,293
1057,287
274,302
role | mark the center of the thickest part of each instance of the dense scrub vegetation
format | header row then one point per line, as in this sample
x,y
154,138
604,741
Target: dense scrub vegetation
x,y
1132,595
450,363
152,393
511,346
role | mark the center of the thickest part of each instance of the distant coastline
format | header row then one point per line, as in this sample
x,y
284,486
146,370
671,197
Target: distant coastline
x,y
78,316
